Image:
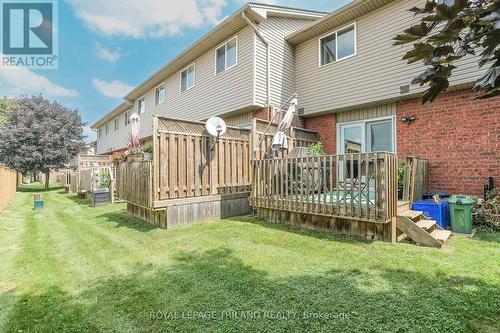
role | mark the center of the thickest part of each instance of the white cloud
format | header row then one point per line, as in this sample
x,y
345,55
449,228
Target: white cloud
x,y
114,89
105,54
15,81
89,133
146,18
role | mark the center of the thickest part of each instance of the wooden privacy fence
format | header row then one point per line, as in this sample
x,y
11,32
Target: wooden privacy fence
x,y
73,184
80,179
415,180
64,177
8,185
352,186
188,162
134,182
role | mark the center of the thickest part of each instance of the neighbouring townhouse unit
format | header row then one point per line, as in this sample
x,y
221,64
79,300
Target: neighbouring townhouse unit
x,y
353,87
235,71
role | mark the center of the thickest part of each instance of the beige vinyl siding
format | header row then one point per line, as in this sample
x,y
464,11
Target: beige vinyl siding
x,y
385,110
212,94
275,29
375,74
260,81
115,140
239,120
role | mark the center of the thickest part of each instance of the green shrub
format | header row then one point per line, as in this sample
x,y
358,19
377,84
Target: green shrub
x,y
104,179
316,149
401,175
487,213
147,148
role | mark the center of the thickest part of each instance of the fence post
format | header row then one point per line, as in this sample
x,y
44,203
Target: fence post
x,y
254,138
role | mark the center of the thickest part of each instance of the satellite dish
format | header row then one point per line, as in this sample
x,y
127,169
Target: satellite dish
x,y
216,126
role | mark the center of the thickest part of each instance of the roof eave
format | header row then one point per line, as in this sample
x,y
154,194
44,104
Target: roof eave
x,y
145,85
346,13
111,115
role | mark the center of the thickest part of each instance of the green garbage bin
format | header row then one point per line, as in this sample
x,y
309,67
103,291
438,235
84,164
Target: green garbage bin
x,y
461,213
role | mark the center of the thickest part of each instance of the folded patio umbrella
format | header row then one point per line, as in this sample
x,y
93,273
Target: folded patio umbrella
x,y
135,126
280,141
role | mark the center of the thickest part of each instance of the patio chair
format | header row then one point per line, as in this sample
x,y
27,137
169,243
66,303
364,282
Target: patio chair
x,y
359,181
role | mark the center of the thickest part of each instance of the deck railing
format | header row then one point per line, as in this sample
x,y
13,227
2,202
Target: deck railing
x,y
352,186
415,179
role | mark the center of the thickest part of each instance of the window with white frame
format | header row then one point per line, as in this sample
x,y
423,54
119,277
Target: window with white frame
x,y
160,95
99,133
226,56
127,119
338,45
141,105
116,124
188,78
107,129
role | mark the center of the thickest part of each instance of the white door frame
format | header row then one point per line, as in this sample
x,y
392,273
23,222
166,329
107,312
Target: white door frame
x,y
362,123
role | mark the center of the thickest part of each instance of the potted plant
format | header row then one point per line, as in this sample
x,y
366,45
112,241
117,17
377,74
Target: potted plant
x,y
401,180
116,157
147,151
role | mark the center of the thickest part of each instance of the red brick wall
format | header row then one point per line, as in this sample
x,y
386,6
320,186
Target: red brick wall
x,y
263,113
326,126
458,135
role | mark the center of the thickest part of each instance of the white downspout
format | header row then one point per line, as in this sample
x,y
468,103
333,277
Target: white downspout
x,y
268,53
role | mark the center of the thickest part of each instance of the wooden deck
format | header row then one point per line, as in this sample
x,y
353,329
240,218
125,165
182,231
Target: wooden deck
x,y
354,186
194,177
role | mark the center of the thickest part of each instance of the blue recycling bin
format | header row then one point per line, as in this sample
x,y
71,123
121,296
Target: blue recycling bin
x,y
435,211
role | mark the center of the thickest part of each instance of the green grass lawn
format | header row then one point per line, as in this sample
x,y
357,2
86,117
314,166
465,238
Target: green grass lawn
x,y
75,268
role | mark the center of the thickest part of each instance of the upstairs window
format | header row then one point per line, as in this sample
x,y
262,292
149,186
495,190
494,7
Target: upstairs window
x,y
188,78
141,105
116,124
338,45
127,119
226,56
107,129
160,95
99,133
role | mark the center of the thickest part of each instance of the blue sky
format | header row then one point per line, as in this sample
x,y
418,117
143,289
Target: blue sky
x,y
107,46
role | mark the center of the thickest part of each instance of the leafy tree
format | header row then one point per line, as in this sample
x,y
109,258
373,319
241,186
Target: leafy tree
x,y
4,108
40,136
448,31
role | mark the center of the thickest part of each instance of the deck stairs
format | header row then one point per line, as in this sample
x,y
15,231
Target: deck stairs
x,y
414,225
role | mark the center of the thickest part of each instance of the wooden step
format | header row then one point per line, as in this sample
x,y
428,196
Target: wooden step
x,y
401,238
415,233
441,235
427,225
403,206
411,214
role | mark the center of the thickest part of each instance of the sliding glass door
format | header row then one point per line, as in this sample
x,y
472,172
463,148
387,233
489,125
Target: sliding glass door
x,y
380,136
366,136
351,138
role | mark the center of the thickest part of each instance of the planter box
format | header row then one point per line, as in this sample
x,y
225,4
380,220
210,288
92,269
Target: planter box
x,y
100,198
